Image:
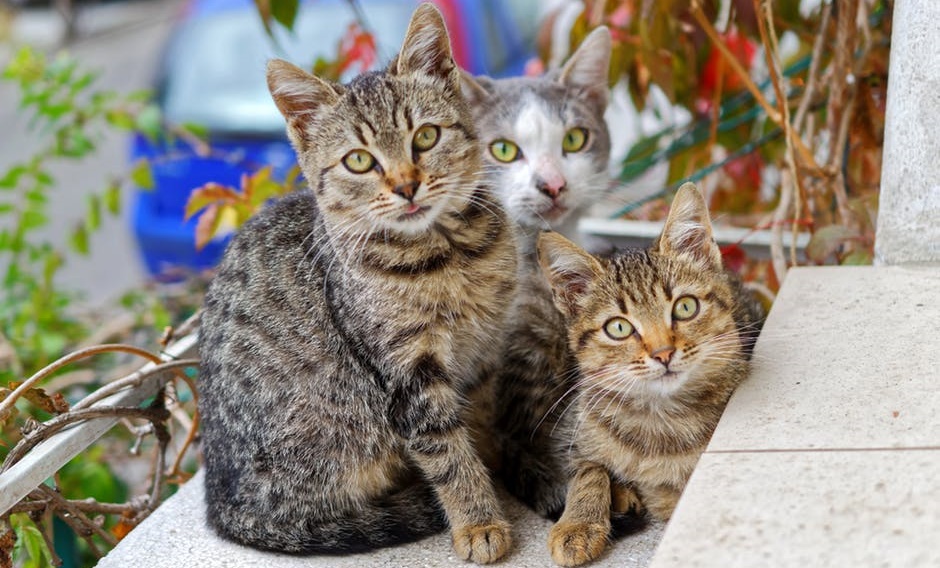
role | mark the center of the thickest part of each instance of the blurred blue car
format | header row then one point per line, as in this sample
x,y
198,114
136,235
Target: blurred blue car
x,y
212,74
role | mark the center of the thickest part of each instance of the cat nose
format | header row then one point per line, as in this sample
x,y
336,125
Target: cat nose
x,y
551,187
406,190
663,354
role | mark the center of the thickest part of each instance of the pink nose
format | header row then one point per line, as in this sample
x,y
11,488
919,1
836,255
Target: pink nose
x,y
548,177
664,354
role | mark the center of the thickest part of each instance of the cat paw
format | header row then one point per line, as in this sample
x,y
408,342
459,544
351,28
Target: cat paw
x,y
573,544
482,543
624,499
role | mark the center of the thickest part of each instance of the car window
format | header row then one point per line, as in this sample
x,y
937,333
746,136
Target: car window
x,y
214,71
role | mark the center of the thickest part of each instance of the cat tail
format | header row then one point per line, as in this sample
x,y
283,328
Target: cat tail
x,y
399,518
536,479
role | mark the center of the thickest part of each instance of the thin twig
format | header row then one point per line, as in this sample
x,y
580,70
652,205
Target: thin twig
x,y
49,428
10,400
133,380
812,75
66,511
805,156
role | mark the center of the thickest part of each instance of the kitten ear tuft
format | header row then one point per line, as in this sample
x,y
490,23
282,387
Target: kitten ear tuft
x,y
475,89
570,271
688,228
296,93
588,68
426,48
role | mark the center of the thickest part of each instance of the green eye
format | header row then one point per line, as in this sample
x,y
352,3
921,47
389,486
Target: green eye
x,y
618,328
426,137
358,161
685,308
504,151
575,139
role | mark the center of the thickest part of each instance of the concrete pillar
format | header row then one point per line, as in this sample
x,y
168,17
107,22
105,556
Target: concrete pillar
x,y
908,229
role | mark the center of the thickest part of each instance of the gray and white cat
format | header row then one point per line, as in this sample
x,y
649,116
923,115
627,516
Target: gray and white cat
x,y
347,328
546,146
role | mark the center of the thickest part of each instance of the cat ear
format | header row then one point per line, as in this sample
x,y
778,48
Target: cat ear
x,y
297,93
475,89
426,48
569,269
688,229
588,68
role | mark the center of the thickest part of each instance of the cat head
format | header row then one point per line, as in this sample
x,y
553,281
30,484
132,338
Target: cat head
x,y
546,145
656,323
390,151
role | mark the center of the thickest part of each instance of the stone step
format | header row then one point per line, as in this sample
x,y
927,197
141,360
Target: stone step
x,y
176,536
829,454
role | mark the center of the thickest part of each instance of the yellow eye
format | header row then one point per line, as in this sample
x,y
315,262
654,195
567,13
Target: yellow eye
x,y
504,151
426,137
618,328
575,139
359,161
685,308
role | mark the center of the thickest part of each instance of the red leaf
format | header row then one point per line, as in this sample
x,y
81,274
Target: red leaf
x,y
734,257
357,46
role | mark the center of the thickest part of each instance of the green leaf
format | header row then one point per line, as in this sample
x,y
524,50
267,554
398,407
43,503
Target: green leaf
x,y
142,175
12,177
285,12
31,543
150,123
32,219
93,214
858,258
112,198
120,118
79,240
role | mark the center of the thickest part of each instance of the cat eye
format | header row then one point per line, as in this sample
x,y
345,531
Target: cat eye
x,y
618,328
574,140
504,151
426,138
359,161
685,308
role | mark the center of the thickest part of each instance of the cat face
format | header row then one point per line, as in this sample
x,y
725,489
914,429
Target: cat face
x,y
389,152
546,144
649,324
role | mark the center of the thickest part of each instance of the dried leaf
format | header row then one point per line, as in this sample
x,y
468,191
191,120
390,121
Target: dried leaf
x,y
206,226
123,527
208,194
53,404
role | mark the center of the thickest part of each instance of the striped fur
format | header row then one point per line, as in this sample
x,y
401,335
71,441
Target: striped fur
x,y
655,370
346,330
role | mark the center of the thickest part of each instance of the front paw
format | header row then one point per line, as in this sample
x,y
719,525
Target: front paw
x,y
482,543
573,544
623,499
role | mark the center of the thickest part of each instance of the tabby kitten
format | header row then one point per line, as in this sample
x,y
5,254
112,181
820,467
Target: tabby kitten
x,y
661,339
348,324
547,147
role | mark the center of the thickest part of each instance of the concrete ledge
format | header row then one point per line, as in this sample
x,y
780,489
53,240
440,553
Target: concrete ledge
x,y
828,455
176,536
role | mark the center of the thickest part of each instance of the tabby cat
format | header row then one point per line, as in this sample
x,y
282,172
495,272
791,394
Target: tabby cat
x,y
347,325
661,339
546,147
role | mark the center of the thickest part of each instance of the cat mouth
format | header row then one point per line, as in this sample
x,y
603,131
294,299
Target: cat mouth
x,y
413,211
555,212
